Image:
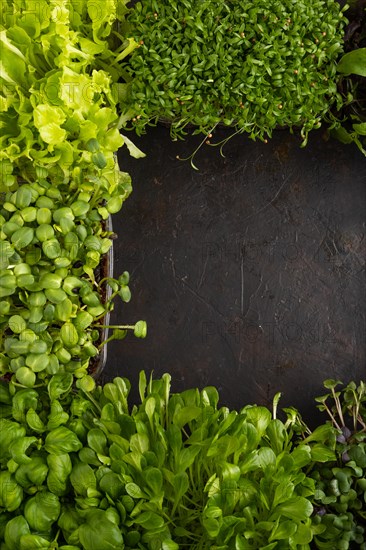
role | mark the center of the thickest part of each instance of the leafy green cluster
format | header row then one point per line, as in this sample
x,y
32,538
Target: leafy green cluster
x,y
353,130
58,90
255,65
340,498
348,124
59,183
81,472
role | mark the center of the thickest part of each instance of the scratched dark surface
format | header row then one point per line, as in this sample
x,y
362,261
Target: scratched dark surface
x,y
250,272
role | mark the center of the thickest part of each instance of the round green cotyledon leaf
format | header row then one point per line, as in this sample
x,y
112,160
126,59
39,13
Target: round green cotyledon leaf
x,y
22,237
17,324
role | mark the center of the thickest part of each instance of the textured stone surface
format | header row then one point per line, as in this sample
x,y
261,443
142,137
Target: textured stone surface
x,y
250,272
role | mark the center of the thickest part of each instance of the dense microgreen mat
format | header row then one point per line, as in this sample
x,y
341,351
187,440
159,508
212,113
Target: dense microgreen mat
x,y
85,470
253,64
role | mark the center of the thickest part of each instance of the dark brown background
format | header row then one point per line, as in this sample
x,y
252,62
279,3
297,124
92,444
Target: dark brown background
x,y
250,272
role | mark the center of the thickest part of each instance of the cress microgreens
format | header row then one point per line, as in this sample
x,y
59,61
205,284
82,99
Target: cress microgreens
x,y
253,65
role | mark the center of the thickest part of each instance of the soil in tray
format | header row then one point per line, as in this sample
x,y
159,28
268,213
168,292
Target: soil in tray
x,y
249,272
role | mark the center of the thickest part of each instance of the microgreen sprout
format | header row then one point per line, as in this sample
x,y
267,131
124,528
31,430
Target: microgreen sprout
x,y
252,65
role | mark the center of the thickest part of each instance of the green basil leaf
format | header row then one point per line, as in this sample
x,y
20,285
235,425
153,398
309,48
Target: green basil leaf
x,y
42,510
57,415
11,494
59,384
60,468
33,473
14,530
10,431
18,448
82,478
33,542
99,532
24,400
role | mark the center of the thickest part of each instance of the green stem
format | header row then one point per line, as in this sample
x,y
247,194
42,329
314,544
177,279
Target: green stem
x,y
223,142
56,537
129,49
107,279
338,406
96,197
332,417
110,301
95,403
106,342
191,157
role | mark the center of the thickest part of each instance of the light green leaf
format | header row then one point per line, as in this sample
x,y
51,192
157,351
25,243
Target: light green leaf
x,y
82,478
112,485
62,440
185,415
149,521
99,532
134,151
353,62
134,491
276,432
304,534
14,530
360,128
283,530
42,510
301,456
283,492
48,120
154,480
322,453
266,457
296,508
52,133
260,417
